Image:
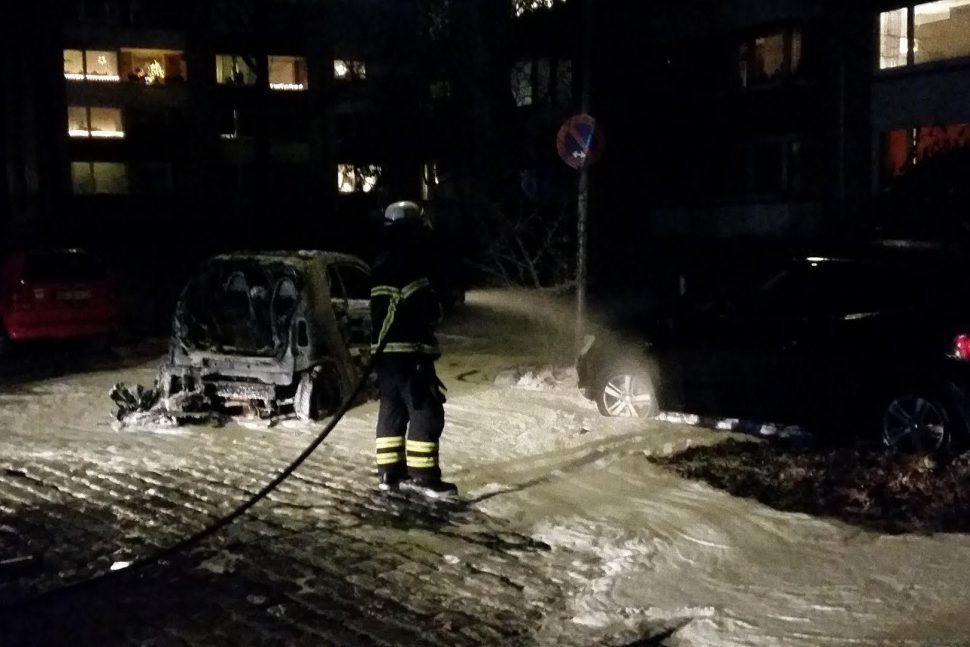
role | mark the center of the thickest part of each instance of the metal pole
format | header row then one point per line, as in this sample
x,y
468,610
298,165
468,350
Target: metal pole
x,y
582,203
583,209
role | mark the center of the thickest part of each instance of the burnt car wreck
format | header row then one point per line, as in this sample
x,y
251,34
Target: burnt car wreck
x,y
259,335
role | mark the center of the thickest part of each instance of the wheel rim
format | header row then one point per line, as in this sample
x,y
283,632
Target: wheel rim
x,y
627,395
914,423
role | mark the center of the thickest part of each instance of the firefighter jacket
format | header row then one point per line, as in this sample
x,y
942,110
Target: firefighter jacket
x,y
404,307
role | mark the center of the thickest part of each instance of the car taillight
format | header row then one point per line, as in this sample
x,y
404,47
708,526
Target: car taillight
x,y
961,347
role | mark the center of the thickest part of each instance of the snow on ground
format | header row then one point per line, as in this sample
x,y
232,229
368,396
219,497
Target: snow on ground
x,y
634,547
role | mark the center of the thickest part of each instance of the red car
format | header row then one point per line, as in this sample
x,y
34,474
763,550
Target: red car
x,y
56,294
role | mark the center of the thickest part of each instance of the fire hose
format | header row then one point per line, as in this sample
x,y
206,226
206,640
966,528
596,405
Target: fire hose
x,y
395,297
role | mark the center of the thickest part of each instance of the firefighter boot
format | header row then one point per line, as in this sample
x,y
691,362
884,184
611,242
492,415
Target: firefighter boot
x,y
391,481
431,487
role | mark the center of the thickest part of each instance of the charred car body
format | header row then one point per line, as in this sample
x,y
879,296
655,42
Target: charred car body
x,y
257,333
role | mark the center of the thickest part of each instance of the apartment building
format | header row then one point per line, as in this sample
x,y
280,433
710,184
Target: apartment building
x,y
775,119
208,125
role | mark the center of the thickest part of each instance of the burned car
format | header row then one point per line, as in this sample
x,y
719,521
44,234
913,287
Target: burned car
x,y
262,333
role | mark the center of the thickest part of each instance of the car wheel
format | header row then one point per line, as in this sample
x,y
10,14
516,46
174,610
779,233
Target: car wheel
x,y
316,395
626,391
915,422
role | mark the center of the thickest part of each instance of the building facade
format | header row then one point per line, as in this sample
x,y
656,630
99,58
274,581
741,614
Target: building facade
x,y
209,125
775,119
142,125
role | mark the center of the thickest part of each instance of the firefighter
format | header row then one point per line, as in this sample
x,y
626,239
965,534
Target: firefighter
x,y
404,313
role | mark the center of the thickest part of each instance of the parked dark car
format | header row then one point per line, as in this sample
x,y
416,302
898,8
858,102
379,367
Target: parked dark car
x,y
830,343
266,331
55,294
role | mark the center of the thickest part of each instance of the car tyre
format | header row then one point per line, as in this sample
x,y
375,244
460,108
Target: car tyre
x,y
316,395
626,390
916,421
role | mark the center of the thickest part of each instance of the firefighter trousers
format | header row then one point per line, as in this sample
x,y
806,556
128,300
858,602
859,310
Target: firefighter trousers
x,y
411,416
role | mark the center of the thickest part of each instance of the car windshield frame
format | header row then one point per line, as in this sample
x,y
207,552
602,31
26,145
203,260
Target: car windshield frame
x,y
214,315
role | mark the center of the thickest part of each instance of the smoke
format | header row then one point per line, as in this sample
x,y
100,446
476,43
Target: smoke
x,y
540,322
543,321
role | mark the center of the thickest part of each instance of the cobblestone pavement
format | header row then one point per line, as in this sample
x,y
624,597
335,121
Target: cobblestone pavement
x,y
324,560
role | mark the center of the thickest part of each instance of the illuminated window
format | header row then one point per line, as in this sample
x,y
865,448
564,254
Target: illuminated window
x,y
91,65
906,147
94,122
287,73
78,123
152,66
106,122
345,70
923,33
235,70
941,30
768,59
357,179
100,65
893,40
74,64
88,178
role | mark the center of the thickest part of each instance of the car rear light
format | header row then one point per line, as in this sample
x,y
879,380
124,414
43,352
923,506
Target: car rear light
x,y
961,347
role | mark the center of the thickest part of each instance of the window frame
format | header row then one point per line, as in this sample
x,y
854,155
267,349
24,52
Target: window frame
x,y
288,87
910,36
89,166
242,57
88,132
913,137
744,52
361,174
84,75
160,58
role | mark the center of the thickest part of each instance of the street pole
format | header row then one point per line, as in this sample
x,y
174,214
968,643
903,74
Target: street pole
x,y
582,203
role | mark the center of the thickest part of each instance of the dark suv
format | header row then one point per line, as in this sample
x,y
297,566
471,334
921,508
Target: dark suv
x,y
879,343
264,331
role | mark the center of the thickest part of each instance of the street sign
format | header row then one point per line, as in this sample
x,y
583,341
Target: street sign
x,y
580,142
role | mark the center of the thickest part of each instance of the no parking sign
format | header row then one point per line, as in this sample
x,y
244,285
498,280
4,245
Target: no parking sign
x,y
580,141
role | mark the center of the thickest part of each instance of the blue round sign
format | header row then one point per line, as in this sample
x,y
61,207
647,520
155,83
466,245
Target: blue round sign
x,y
580,141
